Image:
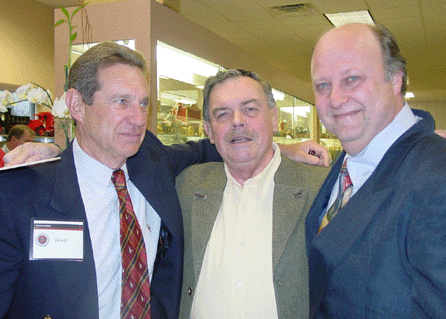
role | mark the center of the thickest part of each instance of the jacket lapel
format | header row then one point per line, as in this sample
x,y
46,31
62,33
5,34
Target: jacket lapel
x,y
288,206
205,206
76,280
328,248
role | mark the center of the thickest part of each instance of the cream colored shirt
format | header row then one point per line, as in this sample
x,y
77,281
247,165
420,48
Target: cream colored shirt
x,y
236,278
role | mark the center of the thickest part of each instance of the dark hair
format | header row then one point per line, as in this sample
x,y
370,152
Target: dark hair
x,y
84,71
18,131
222,76
394,62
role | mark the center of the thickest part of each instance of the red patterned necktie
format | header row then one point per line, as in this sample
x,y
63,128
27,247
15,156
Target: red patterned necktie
x,y
344,193
135,287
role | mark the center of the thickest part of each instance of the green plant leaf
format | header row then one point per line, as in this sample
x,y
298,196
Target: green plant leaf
x,y
65,12
76,11
73,36
59,22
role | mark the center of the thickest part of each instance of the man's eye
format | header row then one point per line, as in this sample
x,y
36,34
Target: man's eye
x,y
352,78
352,81
221,115
250,111
145,104
322,87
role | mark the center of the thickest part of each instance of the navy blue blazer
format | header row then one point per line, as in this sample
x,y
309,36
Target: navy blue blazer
x,y
68,289
384,254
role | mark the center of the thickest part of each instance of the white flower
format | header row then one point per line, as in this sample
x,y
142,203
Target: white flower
x,y
60,108
22,91
6,98
36,95
39,96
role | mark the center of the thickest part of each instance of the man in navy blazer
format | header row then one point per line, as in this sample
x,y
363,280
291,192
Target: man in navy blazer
x,y
108,98
383,255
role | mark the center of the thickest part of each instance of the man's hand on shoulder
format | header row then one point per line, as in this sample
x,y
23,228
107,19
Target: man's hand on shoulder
x,y
308,152
31,152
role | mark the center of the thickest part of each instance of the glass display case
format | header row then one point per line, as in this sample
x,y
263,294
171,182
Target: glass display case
x,y
330,141
294,118
181,78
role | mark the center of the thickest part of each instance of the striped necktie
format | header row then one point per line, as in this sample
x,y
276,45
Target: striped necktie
x,y
344,193
135,287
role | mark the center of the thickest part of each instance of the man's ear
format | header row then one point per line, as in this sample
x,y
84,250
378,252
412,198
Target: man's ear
x,y
397,82
75,104
275,115
208,130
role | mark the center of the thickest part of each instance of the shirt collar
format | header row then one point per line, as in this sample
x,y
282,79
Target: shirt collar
x,y
362,165
91,171
264,175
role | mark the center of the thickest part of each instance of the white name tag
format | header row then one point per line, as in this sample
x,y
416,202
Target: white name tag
x,y
57,239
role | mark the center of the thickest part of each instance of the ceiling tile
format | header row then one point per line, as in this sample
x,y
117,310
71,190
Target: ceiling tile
x,y
208,20
312,33
392,13
276,3
267,24
305,20
329,6
194,8
386,4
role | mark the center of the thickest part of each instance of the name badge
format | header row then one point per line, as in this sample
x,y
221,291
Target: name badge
x,y
57,239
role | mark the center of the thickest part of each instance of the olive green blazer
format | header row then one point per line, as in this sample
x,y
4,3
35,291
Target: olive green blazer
x,y
200,190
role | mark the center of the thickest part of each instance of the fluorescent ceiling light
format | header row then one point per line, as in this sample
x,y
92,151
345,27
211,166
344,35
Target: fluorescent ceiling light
x,y
179,65
409,95
341,18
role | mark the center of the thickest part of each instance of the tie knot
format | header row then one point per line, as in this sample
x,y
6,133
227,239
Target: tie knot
x,y
118,179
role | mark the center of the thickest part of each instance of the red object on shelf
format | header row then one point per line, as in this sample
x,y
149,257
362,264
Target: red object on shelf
x,y
42,124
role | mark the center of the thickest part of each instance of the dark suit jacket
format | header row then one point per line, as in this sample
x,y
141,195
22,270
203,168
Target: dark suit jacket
x,y
68,289
384,254
296,186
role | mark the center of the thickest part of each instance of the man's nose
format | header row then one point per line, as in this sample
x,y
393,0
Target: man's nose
x,y
138,115
238,119
337,97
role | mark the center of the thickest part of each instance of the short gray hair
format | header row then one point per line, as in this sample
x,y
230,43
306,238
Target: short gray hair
x,y
223,76
394,61
84,73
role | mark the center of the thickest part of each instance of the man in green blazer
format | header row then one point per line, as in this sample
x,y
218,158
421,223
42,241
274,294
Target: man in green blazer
x,y
244,219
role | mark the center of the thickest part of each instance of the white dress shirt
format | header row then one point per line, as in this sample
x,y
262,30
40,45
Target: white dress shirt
x,y
361,166
102,208
236,278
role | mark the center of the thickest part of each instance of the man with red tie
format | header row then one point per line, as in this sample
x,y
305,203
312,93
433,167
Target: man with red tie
x,y
99,233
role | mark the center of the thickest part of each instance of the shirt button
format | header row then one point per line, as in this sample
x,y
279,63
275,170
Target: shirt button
x,y
190,291
239,283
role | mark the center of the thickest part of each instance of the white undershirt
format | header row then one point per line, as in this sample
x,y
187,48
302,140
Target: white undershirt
x,y
102,208
236,279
